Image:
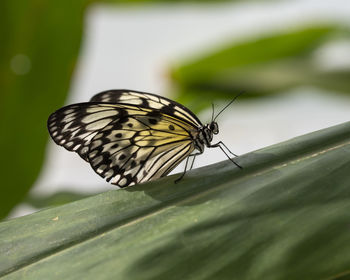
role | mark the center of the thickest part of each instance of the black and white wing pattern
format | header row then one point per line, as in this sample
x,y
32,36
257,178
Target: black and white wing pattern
x,y
128,137
74,126
149,101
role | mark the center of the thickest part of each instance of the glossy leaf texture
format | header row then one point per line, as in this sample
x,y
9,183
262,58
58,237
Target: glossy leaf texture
x,y
286,215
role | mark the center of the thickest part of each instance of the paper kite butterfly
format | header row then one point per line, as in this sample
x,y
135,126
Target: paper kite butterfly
x,y
130,137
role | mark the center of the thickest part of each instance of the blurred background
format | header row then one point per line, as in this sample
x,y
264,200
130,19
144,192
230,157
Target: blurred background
x,y
292,59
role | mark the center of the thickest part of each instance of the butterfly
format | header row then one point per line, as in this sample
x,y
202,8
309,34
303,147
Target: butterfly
x,y
130,137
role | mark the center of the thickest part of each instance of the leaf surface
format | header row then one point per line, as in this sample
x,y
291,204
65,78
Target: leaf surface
x,y
286,215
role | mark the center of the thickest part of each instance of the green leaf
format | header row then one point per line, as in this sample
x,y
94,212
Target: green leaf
x,y
260,66
285,215
39,49
55,199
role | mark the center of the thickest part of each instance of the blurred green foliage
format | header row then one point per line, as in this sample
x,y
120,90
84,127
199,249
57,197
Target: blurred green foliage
x,y
270,64
39,49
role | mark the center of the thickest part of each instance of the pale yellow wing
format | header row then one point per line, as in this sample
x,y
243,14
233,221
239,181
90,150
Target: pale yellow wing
x,y
139,148
125,143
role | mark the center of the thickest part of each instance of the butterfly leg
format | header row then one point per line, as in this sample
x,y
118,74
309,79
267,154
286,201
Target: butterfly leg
x,y
194,157
222,149
187,160
222,143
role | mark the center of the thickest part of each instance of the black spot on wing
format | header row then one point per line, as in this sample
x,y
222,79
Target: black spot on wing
x,y
148,101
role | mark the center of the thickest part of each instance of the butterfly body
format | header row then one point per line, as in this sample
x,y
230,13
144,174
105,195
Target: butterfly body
x,y
130,137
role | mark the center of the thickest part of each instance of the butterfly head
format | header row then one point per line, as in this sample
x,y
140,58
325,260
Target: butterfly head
x,y
208,130
213,126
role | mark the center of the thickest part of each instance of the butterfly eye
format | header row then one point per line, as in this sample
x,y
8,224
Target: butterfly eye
x,y
214,127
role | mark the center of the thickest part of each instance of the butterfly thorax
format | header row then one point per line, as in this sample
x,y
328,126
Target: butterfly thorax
x,y
205,136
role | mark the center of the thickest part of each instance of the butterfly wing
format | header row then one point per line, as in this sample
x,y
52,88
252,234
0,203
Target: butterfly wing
x,y
139,148
75,125
128,137
150,101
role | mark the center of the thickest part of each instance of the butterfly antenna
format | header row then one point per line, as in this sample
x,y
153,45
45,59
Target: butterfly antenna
x,y
229,104
212,113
